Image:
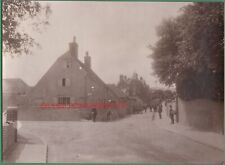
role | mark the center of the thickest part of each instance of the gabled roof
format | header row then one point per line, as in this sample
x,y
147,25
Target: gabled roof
x,y
94,76
91,74
116,90
14,85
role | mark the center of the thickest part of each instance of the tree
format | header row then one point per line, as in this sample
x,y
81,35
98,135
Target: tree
x,y
190,51
14,13
166,64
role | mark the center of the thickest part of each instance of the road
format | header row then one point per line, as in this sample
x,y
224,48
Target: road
x,y
135,139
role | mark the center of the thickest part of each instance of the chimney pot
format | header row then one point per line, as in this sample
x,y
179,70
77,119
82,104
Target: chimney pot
x,y
73,48
87,60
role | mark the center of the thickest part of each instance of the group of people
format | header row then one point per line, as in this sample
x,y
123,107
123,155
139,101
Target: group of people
x,y
155,109
94,115
159,108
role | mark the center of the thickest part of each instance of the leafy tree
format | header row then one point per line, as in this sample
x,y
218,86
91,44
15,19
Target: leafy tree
x,y
166,64
190,51
14,13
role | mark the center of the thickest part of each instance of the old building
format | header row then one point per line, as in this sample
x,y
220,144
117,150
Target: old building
x,y
14,92
70,81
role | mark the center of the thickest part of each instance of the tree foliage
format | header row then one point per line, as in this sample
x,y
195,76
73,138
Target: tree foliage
x,y
166,64
189,52
15,12
137,87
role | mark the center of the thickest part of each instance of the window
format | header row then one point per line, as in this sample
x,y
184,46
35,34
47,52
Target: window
x,y
63,100
64,82
68,64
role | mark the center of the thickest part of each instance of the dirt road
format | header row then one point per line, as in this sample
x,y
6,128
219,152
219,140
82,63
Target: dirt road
x,y
134,139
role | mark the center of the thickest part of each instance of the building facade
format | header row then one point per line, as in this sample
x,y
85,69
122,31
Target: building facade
x,y
70,81
15,93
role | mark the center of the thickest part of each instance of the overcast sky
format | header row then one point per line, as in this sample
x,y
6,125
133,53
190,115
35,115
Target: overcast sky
x,y
116,34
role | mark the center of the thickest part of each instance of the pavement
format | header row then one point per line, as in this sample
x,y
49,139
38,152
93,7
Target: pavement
x,y
27,153
211,139
28,149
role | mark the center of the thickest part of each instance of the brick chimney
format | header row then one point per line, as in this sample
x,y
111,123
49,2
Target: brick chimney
x,y
87,60
73,48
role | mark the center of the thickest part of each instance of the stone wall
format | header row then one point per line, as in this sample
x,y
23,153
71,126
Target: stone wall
x,y
9,138
48,115
67,114
202,114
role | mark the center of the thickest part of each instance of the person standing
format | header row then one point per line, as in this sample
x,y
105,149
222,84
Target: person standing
x,y
167,108
145,108
150,107
94,114
108,115
160,111
154,111
171,113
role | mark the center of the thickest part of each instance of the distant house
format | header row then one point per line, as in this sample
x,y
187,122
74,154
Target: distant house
x,y
14,92
134,102
70,81
122,95
124,98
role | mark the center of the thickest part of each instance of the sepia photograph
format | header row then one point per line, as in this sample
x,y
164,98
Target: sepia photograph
x,y
112,82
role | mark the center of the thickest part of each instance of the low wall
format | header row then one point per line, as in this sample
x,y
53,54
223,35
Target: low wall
x,y
48,115
9,138
202,114
66,114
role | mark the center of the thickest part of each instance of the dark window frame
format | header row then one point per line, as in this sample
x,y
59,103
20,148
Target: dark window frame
x,y
64,82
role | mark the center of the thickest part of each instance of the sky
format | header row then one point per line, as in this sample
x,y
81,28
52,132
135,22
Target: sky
x,y
116,35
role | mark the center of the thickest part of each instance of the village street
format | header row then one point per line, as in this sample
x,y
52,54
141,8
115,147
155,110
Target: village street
x,y
113,82
133,139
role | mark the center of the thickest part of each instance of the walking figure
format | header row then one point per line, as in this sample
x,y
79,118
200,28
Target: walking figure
x,y
145,108
154,111
171,113
160,111
108,115
151,108
94,114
